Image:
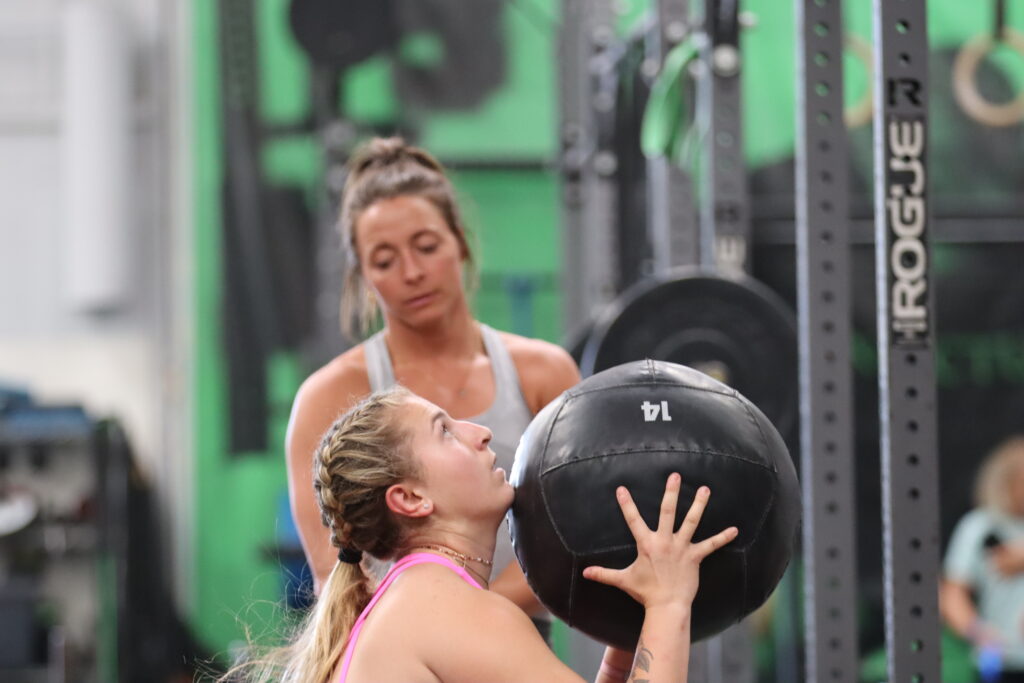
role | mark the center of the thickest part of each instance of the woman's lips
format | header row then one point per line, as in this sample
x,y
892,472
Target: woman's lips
x,y
420,301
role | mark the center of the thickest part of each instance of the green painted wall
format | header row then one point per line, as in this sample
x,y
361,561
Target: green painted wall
x,y
514,213
234,497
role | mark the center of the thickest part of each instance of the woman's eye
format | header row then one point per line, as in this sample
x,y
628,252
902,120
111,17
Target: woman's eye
x,y
445,430
381,265
428,248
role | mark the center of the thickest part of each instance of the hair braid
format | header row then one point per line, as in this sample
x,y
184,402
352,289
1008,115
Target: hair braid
x,y
360,456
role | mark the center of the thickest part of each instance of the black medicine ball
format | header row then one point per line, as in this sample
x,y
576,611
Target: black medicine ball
x,y
633,425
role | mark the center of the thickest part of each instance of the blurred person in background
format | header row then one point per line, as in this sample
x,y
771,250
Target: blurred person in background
x,y
982,589
409,262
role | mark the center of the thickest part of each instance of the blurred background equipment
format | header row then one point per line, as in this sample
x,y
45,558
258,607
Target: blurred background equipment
x,y
84,593
170,171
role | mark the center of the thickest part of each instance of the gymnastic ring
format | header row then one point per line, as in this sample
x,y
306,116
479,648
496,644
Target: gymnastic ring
x,y
861,112
965,68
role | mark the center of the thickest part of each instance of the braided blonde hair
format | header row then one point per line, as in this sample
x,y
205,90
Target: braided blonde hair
x,y
385,168
359,458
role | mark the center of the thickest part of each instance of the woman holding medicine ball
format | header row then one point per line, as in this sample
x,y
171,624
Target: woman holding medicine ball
x,y
396,477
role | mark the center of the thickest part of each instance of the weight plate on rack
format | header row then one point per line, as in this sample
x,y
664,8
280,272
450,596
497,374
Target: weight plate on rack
x,y
734,329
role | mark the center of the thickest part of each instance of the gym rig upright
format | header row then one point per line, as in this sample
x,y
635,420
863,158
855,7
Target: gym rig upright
x,y
690,255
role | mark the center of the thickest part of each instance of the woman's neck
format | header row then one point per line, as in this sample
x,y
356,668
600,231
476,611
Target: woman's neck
x,y
475,566
453,335
476,557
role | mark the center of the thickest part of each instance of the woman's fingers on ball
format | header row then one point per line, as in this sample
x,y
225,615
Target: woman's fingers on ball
x,y
636,523
693,515
667,519
611,577
710,545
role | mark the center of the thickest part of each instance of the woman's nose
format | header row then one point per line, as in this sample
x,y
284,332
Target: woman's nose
x,y
485,436
411,270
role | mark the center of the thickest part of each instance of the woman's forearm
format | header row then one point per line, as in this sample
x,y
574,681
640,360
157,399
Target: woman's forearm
x,y
615,666
957,609
663,653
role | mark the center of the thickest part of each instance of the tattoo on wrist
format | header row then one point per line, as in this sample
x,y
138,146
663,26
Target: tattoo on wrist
x,y
641,664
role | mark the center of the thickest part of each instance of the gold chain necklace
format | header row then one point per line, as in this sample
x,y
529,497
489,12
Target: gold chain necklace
x,y
454,553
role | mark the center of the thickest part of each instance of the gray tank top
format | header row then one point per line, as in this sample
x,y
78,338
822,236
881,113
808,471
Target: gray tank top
x,y
507,417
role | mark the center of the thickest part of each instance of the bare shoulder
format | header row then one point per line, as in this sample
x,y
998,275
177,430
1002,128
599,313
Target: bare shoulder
x,y
325,395
438,591
343,378
474,634
545,369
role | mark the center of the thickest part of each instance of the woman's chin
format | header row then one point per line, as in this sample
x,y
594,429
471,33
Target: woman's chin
x,y
503,496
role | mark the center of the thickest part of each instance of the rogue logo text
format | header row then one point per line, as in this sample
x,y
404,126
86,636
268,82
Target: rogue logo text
x,y
906,213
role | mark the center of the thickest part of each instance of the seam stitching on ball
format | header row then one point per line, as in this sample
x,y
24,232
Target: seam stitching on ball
x,y
608,454
772,494
572,588
543,492
746,582
626,385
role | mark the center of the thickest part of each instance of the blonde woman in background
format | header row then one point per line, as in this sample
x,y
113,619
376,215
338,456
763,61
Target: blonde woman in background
x,y
409,256
982,590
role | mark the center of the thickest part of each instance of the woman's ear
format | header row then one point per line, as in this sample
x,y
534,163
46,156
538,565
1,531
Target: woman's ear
x,y
460,239
406,500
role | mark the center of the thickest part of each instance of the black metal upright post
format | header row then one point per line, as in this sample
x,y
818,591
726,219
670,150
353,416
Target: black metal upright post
x,y
724,231
906,341
672,220
586,33
725,212
826,382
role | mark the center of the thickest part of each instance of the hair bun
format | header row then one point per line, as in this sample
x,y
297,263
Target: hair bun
x,y
382,152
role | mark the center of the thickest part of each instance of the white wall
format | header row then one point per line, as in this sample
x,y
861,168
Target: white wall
x,y
132,362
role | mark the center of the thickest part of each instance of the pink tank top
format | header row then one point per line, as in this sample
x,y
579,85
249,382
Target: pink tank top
x,y
399,567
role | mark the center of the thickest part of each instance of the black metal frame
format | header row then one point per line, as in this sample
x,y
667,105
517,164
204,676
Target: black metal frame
x,y
588,163
906,342
672,223
724,201
824,235
825,311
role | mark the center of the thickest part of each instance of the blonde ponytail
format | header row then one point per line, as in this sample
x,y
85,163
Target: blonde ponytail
x,y
359,458
320,645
